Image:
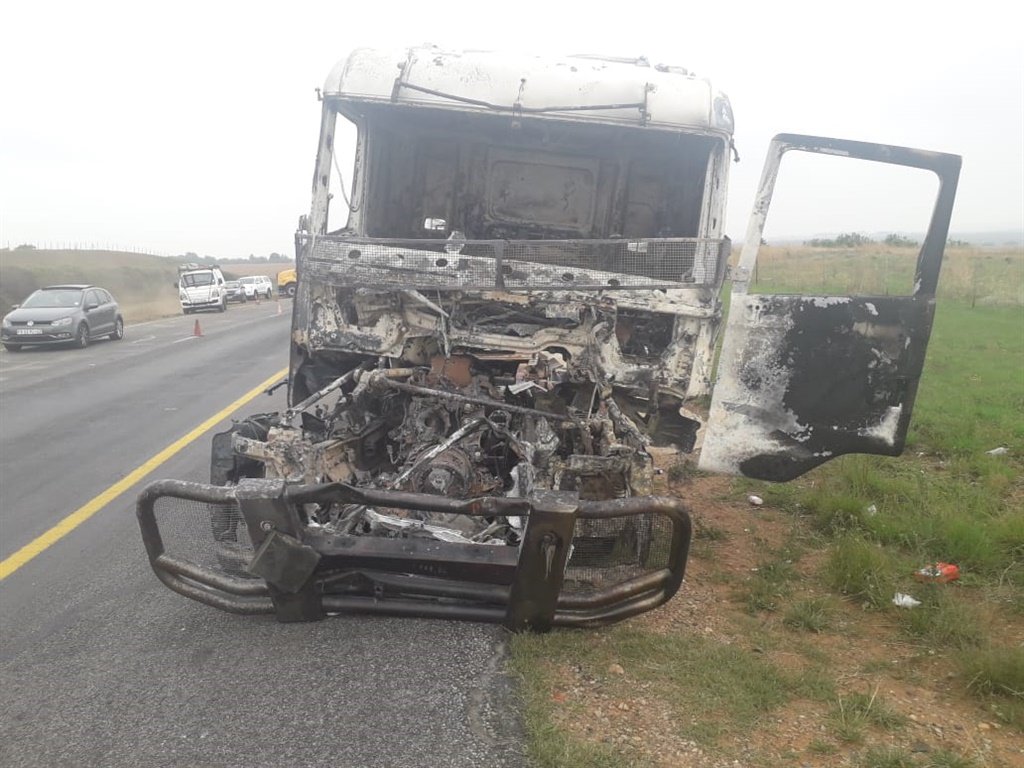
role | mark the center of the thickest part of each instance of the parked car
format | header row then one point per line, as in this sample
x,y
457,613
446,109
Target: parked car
x,y
63,314
233,291
257,286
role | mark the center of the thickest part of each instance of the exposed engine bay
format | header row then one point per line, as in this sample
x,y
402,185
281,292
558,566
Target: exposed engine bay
x,y
475,422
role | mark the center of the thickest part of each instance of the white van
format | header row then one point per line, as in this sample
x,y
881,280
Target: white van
x,y
202,288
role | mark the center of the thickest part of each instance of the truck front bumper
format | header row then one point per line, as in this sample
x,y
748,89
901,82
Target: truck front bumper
x,y
246,549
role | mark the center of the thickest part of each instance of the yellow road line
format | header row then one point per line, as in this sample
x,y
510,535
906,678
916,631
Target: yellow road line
x,y
94,505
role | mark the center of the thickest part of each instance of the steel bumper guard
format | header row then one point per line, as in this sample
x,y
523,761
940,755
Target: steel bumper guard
x,y
303,573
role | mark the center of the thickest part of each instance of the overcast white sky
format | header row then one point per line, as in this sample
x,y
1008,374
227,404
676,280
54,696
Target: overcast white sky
x,y
192,126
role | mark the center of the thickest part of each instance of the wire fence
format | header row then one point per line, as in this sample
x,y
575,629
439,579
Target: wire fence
x,y
82,245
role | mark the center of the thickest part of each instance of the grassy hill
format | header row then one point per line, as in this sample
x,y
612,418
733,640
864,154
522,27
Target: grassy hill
x,y
142,284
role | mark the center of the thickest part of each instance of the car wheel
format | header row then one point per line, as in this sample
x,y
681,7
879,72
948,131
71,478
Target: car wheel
x,y
290,291
223,305
118,333
12,347
268,294
82,336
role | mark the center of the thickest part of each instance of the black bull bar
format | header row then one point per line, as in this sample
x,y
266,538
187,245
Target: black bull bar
x,y
579,564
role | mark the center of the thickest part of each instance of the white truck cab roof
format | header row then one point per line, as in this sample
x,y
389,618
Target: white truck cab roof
x,y
579,88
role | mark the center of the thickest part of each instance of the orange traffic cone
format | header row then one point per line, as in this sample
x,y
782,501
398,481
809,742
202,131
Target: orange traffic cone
x,y
197,331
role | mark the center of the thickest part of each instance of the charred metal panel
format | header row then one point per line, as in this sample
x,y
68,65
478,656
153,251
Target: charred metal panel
x,y
816,377
458,263
803,379
643,338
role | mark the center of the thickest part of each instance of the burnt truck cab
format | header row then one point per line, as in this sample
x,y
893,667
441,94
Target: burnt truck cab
x,y
522,302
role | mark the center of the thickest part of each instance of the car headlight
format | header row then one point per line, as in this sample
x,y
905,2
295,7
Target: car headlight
x,y
182,296
7,323
214,294
61,321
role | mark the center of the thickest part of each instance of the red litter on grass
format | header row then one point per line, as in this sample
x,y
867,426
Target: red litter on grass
x,y
939,573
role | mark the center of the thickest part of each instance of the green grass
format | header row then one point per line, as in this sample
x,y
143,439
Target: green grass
x,y
767,586
993,672
943,758
712,689
885,757
822,747
705,530
813,615
996,676
854,713
862,570
971,276
944,618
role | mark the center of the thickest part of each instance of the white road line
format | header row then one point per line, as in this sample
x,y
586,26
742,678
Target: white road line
x,y
145,338
169,320
187,338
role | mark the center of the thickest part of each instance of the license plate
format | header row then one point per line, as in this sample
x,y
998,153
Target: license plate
x,y
29,331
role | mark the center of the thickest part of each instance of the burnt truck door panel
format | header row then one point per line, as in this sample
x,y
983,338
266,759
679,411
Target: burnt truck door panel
x,y
803,379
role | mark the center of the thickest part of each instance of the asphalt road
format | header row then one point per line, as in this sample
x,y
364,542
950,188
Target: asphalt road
x,y
101,665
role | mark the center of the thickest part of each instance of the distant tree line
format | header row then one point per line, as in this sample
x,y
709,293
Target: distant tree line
x,y
273,258
845,240
854,239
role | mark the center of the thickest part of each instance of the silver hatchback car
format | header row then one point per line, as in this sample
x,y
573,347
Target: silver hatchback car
x,y
63,314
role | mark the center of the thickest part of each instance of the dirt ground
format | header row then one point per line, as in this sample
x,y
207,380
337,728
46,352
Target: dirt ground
x,y
863,651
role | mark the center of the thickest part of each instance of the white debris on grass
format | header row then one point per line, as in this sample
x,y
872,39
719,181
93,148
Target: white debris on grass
x,y
901,600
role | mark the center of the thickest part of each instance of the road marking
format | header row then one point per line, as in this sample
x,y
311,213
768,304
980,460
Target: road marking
x,y
187,338
94,505
144,338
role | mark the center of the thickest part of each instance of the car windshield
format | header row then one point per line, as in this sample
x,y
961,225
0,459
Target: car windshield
x,y
248,280
197,278
57,297
231,284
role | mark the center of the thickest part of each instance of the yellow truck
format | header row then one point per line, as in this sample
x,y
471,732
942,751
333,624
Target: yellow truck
x,y
286,281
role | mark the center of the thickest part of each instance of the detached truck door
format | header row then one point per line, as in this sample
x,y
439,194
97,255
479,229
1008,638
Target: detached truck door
x,y
802,379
